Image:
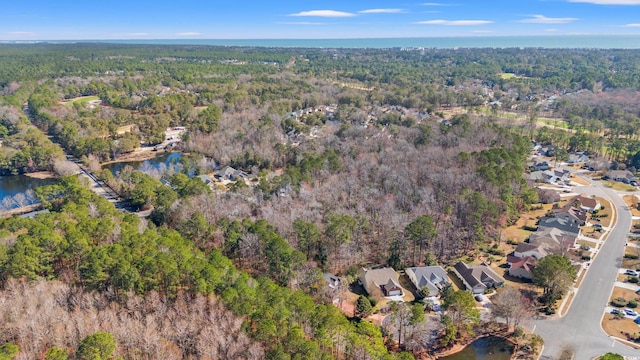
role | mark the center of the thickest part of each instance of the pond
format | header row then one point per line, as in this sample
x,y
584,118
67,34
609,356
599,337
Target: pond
x,y
485,348
12,185
159,162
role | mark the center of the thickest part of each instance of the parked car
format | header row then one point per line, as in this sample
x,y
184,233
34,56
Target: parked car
x,y
630,312
637,320
479,298
615,311
631,272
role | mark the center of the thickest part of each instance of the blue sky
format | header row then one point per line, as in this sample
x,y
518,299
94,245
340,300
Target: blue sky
x,y
286,19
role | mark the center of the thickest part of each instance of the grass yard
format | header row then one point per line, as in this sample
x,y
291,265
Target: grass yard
x,y
605,221
516,232
619,327
80,100
124,129
580,181
618,186
587,242
631,263
624,293
632,202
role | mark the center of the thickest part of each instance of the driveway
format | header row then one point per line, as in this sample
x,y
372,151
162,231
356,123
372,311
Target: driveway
x,y
581,328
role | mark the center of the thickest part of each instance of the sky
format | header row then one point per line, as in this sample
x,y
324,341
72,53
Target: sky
x,y
311,19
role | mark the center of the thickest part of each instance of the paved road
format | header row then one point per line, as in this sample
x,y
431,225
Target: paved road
x,y
581,327
95,184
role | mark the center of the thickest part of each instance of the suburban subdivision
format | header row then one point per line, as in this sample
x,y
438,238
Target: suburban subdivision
x,y
177,201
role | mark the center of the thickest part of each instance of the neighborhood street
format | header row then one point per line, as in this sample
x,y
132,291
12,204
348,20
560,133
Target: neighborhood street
x,y
580,329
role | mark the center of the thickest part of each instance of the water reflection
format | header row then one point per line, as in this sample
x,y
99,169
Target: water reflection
x,y
485,348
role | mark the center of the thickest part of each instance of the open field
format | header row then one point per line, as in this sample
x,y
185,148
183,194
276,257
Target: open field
x,y
79,100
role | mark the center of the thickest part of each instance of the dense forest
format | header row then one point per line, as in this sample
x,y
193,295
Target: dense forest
x,y
352,157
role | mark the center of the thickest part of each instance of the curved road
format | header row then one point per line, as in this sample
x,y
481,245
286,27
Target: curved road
x,y
580,329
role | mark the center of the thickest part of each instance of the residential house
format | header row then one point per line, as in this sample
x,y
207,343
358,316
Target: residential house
x,y
536,176
585,203
574,214
538,250
624,176
577,159
205,179
332,281
566,224
598,164
556,240
547,150
477,278
521,267
231,174
384,280
432,277
539,166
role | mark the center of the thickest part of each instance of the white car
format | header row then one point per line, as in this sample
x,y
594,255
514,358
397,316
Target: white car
x,y
630,312
631,272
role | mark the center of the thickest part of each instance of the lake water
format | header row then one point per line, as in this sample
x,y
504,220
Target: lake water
x,y
14,184
159,162
485,348
549,41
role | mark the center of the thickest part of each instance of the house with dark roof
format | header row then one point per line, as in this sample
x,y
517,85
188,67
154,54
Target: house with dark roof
x,y
385,280
477,278
585,203
231,174
566,224
432,277
624,176
521,267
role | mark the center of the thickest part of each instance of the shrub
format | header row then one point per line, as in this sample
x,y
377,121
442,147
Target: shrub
x,y
630,256
632,304
633,279
619,302
549,310
530,228
9,351
512,242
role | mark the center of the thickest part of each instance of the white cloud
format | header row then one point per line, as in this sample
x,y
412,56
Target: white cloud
x,y
455,22
608,2
138,34
324,13
436,4
382,11
550,30
632,25
541,19
189,33
299,23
